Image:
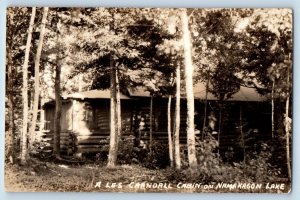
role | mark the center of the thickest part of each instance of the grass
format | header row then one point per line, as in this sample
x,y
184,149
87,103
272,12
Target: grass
x,y
49,176
57,177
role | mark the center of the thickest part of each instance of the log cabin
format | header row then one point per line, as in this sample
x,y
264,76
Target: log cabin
x,y
85,121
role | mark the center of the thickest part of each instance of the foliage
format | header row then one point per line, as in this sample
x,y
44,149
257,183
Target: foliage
x,y
258,168
126,151
130,154
208,161
211,168
158,158
218,44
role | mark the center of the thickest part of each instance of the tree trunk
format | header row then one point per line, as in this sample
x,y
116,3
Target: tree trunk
x,y
151,123
189,69
288,129
118,110
42,115
10,135
170,141
113,151
205,106
25,90
220,127
57,115
37,78
273,105
242,135
10,152
177,120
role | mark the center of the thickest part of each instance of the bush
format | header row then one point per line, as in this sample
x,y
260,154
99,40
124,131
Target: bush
x,y
126,153
208,161
158,158
211,168
101,156
258,168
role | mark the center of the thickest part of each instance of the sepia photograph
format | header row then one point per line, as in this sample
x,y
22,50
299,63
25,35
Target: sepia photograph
x,y
138,100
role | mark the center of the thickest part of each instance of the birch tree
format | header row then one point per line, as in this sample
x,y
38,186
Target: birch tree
x,y
25,90
16,28
189,68
37,77
170,140
177,120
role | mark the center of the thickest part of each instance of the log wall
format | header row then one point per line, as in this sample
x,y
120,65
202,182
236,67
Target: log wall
x,y
86,123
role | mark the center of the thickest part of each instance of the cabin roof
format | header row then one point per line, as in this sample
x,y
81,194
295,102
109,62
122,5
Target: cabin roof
x,y
244,94
93,94
139,92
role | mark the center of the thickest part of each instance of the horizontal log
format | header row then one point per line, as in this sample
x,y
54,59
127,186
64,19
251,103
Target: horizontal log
x,y
98,140
106,133
89,142
95,137
62,133
85,139
102,133
51,139
182,140
50,146
103,119
51,136
62,142
82,146
160,133
88,150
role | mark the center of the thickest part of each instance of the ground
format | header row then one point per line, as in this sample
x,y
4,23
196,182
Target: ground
x,y
90,177
49,176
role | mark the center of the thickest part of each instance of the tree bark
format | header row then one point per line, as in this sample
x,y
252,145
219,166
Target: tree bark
x,y
10,152
177,120
242,135
112,154
118,109
288,128
25,90
287,131
151,123
273,105
37,78
220,126
42,115
58,100
205,106
57,115
170,141
189,69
